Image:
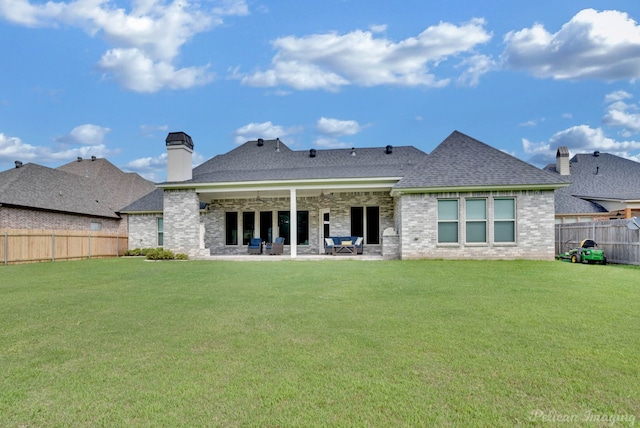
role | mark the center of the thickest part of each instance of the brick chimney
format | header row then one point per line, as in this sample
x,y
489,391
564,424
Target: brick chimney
x,y
562,161
179,153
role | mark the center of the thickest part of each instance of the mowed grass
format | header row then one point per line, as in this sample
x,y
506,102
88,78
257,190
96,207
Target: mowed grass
x,y
124,342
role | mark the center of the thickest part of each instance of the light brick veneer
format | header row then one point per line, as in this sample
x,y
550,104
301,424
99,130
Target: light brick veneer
x,y
182,221
534,227
20,218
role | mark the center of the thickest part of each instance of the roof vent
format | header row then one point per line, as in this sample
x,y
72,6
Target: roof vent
x,y
260,142
353,151
18,164
389,149
596,153
79,159
312,153
93,158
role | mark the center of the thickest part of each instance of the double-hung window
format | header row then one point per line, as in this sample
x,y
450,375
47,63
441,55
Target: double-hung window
x,y
476,220
447,221
160,229
504,220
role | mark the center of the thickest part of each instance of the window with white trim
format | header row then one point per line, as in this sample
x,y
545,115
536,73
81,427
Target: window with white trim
x,y
448,221
504,220
160,229
476,220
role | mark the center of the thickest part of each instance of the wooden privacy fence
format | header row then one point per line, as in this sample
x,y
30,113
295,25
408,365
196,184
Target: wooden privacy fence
x,y
25,246
620,244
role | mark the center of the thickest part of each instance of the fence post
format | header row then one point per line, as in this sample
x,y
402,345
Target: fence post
x,y
117,245
6,248
89,249
53,246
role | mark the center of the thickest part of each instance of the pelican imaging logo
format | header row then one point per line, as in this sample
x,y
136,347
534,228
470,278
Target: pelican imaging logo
x,y
588,416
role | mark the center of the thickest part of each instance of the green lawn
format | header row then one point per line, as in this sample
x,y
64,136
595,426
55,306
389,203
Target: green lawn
x,y
129,343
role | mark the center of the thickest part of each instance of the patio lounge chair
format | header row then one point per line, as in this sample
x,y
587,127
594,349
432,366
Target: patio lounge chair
x,y
255,246
276,247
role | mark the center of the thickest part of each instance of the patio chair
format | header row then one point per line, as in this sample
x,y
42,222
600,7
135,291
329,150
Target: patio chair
x,y
276,247
255,246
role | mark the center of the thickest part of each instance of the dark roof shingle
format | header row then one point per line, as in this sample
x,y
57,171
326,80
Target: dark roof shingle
x,y
462,161
604,176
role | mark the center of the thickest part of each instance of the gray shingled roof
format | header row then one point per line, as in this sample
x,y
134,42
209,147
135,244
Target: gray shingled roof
x,y
462,161
151,202
604,176
90,188
251,161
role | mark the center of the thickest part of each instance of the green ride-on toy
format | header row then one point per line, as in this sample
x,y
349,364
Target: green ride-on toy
x,y
587,253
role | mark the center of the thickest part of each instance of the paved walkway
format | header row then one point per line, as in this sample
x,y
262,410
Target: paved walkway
x,y
299,257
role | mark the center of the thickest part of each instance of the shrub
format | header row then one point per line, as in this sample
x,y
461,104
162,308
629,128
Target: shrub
x,y
156,254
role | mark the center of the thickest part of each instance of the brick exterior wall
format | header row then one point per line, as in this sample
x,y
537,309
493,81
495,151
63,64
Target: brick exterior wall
x,y
143,230
21,218
417,215
182,221
413,217
340,218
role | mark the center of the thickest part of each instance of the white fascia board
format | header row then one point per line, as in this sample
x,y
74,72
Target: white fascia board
x,y
337,183
451,189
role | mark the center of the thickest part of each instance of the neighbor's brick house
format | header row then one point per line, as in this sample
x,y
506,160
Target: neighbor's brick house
x,y
83,195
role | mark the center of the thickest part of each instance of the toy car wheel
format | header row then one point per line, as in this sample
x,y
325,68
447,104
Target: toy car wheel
x,y
604,260
575,258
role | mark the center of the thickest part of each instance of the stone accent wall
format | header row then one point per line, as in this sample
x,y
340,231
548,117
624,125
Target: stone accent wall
x,y
21,218
143,230
340,218
534,227
182,221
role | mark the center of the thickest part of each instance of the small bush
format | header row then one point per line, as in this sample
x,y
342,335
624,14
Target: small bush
x,y
138,252
156,254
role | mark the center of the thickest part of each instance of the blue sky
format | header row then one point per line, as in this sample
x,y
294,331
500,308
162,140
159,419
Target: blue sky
x,y
112,78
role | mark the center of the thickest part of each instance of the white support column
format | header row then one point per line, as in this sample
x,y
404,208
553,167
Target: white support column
x,y
293,224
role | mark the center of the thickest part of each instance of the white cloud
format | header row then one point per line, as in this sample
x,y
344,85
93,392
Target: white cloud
x,y
155,168
617,96
330,61
266,130
330,143
378,28
621,114
86,134
579,139
335,127
150,131
13,148
597,45
477,66
146,40
151,168
135,70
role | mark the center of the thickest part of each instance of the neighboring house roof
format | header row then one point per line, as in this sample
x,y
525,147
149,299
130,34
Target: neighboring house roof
x,y
595,179
464,162
100,190
116,187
